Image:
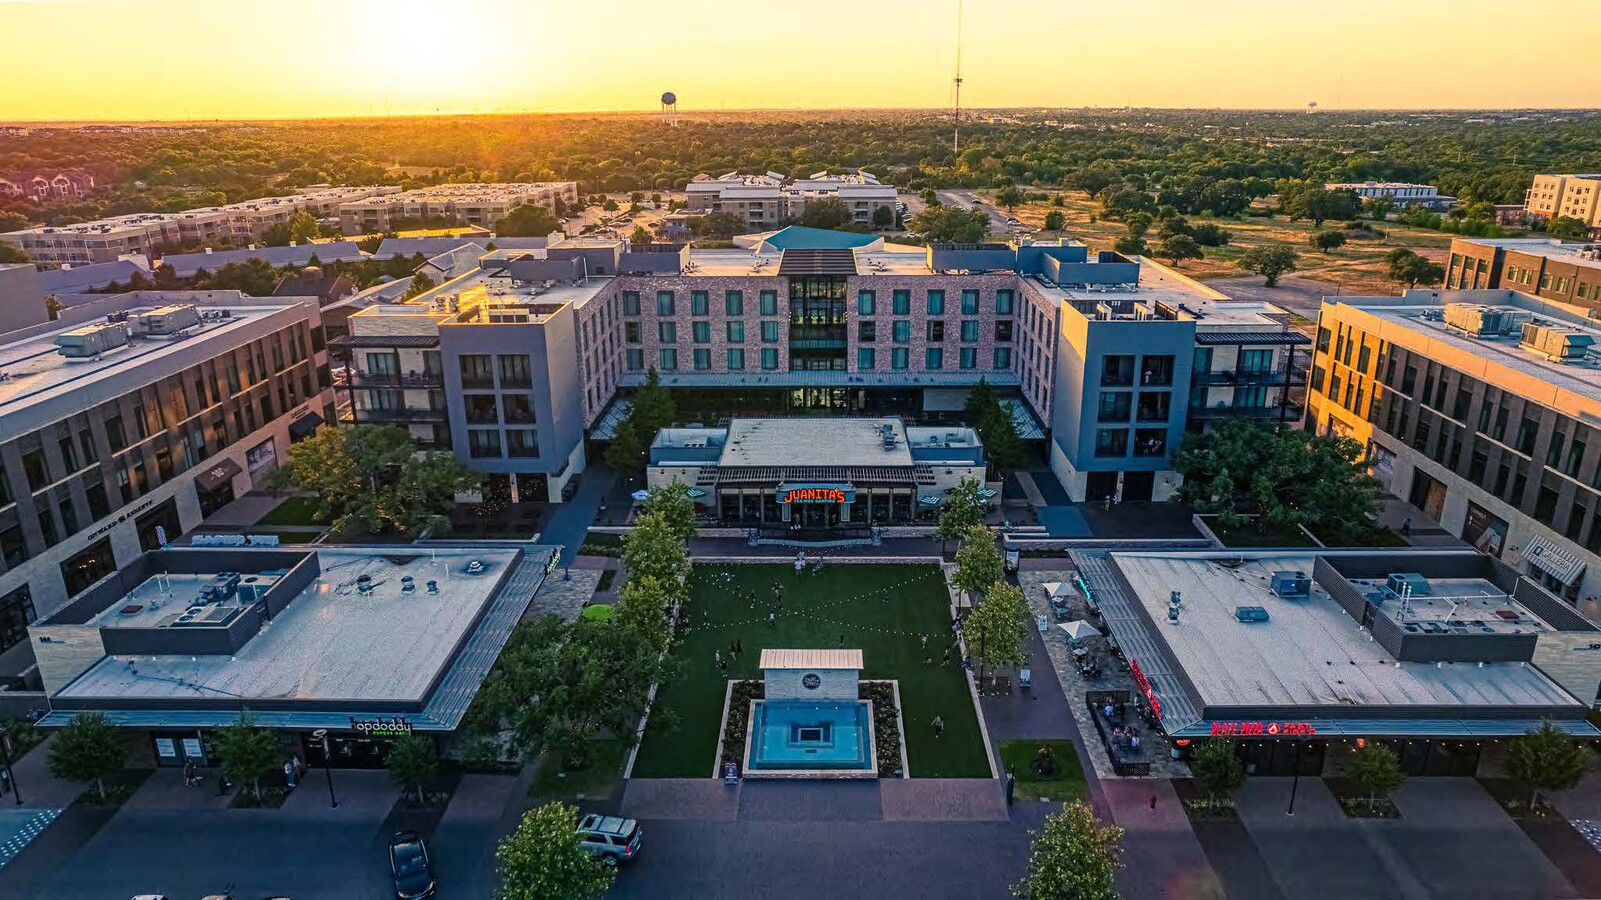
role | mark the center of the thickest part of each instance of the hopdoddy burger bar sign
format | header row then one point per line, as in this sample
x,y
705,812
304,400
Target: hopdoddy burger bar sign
x,y
816,493
381,726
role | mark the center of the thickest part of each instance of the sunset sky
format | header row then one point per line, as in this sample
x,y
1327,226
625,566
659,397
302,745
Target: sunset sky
x,y
176,59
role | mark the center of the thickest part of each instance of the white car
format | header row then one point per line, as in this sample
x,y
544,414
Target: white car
x,y
611,839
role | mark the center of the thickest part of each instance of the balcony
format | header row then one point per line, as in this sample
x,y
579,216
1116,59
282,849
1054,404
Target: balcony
x,y
385,380
398,415
1290,412
1296,377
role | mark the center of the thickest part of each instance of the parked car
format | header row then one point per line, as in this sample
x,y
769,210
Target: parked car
x,y
610,838
409,863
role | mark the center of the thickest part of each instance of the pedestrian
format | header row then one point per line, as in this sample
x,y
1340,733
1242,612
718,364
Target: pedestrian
x,y
946,659
1153,801
939,726
289,774
189,773
739,647
300,767
772,620
1406,526
222,785
717,658
842,639
923,641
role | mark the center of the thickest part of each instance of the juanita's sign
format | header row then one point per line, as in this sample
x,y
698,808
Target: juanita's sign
x,y
816,493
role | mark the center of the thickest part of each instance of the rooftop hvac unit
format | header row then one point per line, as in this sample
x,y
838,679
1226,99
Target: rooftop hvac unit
x,y
1291,584
1556,344
92,340
167,320
1408,584
1484,321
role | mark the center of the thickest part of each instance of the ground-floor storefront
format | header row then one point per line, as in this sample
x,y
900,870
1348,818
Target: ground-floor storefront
x,y
824,504
1418,757
364,745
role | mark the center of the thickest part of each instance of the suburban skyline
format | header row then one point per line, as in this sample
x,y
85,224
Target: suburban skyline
x,y
174,59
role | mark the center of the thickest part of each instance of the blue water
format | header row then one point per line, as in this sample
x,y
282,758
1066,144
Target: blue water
x,y
798,734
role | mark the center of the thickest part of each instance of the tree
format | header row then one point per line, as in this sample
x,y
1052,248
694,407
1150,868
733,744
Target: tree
x,y
609,206
1209,235
1326,240
542,859
11,220
828,212
276,235
1178,247
964,508
1009,197
1055,220
673,503
303,228
951,225
373,474
654,408
1547,759
978,560
11,253
1376,771
717,225
643,609
421,283
1283,476
412,762
1565,228
625,454
531,220
883,217
246,750
87,749
929,197
1074,857
1411,269
996,630
1217,769
640,236
1269,262
1378,208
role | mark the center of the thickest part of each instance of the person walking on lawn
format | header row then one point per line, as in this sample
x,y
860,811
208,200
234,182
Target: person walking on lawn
x,y
939,726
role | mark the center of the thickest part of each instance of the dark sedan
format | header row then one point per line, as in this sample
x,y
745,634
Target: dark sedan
x,y
408,860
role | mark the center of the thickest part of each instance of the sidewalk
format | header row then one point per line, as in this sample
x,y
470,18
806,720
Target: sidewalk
x,y
569,522
1162,856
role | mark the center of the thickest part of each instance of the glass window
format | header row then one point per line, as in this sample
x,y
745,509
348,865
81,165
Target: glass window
x,y
901,303
669,359
969,329
1003,303
1115,406
1003,330
634,360
33,465
934,358
700,303
703,359
383,364
967,358
736,332
522,443
969,303
631,332
630,303
1003,358
515,370
16,611
1111,442
866,331
901,331
477,370
864,359
94,563
667,332
769,332
736,358
866,303
769,303
517,408
734,303
769,358
1150,442
936,303
1117,371
664,303
702,332
899,357
483,443
936,330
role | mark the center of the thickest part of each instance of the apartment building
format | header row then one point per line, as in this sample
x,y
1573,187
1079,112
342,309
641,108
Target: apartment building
x,y
1479,407
1402,193
129,421
1557,196
513,365
42,186
769,200
143,234
1562,271
469,204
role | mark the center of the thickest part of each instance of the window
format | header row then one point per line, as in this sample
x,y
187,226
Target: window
x,y
1003,302
936,330
16,611
631,332
634,360
517,409
115,436
934,358
1256,362
936,303
383,365
736,332
1115,406
769,303
969,303
664,303
476,370
483,443
703,359
1156,370
13,547
1003,358
901,303
736,359
866,303
969,330
479,408
33,465
630,303
699,303
1117,371
522,443
1528,433
769,332
1409,380
701,332
1150,442
1153,406
1003,330
898,357
967,358
734,303
864,359
769,358
1111,442
901,331
668,360
99,504
866,331
515,371
667,332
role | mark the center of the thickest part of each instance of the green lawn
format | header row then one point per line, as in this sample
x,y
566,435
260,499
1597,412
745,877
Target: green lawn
x,y
550,783
881,609
294,511
1067,784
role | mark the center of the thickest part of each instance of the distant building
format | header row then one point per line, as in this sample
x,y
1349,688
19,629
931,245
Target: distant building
x,y
469,204
1403,194
1565,196
41,187
766,201
1563,271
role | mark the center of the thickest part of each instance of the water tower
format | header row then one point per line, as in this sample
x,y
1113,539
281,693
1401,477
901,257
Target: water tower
x,y
670,109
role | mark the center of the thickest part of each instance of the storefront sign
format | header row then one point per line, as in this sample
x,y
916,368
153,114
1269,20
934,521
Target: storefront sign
x,y
1145,687
816,493
1262,729
191,749
381,726
166,749
263,455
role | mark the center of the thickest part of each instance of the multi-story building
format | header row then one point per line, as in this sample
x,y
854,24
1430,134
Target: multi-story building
x,y
513,363
106,240
21,297
1402,193
768,201
40,187
130,420
1566,272
1480,408
1558,196
470,204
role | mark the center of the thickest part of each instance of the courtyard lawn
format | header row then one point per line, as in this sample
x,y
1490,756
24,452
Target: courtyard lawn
x,y
293,511
1065,784
881,609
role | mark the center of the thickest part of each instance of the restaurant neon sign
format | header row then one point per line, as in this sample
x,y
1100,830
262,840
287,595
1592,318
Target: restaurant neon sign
x,y
816,493
1263,729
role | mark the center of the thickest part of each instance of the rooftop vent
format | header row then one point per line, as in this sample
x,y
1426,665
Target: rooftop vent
x,y
1556,344
1291,584
1249,614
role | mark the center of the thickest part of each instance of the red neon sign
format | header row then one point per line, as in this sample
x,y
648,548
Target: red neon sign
x,y
813,495
1262,729
1145,687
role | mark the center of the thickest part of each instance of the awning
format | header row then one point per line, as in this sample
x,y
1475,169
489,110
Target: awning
x,y
1440,728
305,426
217,476
1553,560
1293,338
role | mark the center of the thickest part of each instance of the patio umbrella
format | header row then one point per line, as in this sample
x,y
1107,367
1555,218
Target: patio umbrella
x,y
640,495
988,493
1058,589
599,612
696,493
1051,588
931,500
1078,630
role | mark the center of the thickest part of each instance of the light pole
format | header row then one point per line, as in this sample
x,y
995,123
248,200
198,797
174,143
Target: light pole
x,y
1296,784
5,754
321,734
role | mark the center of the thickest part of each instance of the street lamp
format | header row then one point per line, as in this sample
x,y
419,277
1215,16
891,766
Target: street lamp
x,y
321,735
5,755
1296,784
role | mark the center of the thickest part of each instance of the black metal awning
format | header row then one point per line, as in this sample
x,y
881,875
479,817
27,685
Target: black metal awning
x,y
1293,338
305,426
220,473
410,341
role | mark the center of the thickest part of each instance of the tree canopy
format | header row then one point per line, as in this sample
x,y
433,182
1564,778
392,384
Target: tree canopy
x,y
527,220
951,225
373,475
542,859
1073,857
88,748
978,562
1547,759
1411,269
1269,261
996,630
246,750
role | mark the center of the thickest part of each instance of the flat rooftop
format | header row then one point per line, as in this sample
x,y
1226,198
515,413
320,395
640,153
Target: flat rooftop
x,y
1309,652
330,643
1581,253
1458,606
814,442
163,601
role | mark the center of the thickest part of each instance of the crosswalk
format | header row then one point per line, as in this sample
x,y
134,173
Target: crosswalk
x,y
20,828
